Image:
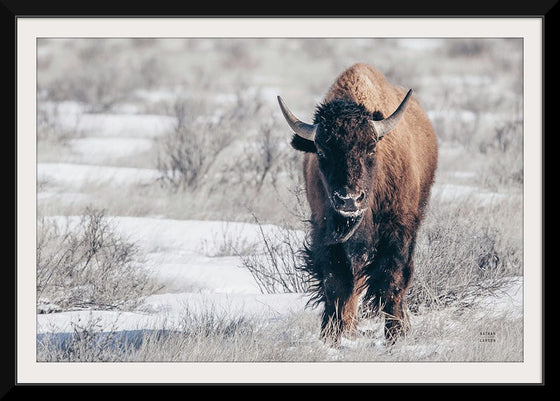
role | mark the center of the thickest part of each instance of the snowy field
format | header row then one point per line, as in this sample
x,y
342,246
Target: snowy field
x,y
194,243
176,252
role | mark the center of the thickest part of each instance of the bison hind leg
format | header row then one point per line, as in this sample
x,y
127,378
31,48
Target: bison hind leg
x,y
331,330
396,327
340,319
390,310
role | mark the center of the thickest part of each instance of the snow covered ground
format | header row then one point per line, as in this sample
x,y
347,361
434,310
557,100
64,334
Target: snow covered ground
x,y
186,256
176,253
76,175
180,254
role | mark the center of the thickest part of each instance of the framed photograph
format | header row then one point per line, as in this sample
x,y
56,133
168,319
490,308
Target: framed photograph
x,y
228,200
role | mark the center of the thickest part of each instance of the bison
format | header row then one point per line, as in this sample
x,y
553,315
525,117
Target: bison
x,y
369,165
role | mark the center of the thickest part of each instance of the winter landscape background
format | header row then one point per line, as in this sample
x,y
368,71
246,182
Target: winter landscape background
x,y
171,207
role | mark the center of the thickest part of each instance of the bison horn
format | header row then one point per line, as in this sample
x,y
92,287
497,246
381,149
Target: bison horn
x,y
306,131
388,124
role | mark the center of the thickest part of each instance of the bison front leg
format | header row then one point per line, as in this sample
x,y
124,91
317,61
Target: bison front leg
x,y
396,316
339,315
339,298
388,284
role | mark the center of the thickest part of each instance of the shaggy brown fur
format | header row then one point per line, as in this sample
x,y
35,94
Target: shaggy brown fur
x,y
368,259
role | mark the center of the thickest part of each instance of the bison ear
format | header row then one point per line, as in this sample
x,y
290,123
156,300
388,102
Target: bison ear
x,y
302,144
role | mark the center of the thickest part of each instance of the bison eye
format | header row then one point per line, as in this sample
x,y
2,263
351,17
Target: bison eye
x,y
320,154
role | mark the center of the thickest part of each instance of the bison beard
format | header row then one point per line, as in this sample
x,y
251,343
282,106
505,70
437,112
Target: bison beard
x,y
363,264
340,228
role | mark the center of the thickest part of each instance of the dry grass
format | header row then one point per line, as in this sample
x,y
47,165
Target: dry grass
x,y
89,267
461,248
275,263
216,336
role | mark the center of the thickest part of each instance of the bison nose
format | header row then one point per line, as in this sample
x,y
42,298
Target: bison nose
x,y
348,202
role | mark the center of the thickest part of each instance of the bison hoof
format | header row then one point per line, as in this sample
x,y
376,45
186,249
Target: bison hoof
x,y
395,330
331,338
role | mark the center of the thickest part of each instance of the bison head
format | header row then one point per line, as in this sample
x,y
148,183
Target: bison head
x,y
344,138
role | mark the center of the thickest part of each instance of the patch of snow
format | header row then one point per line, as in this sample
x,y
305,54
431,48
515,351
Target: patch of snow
x,y
221,275
189,235
65,197
450,192
467,116
65,322
128,108
232,305
99,150
76,175
267,93
455,192
458,80
64,108
225,98
160,95
119,125
464,175
466,79
168,311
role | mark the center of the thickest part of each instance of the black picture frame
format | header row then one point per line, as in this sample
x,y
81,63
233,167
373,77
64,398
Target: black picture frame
x,y
12,10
